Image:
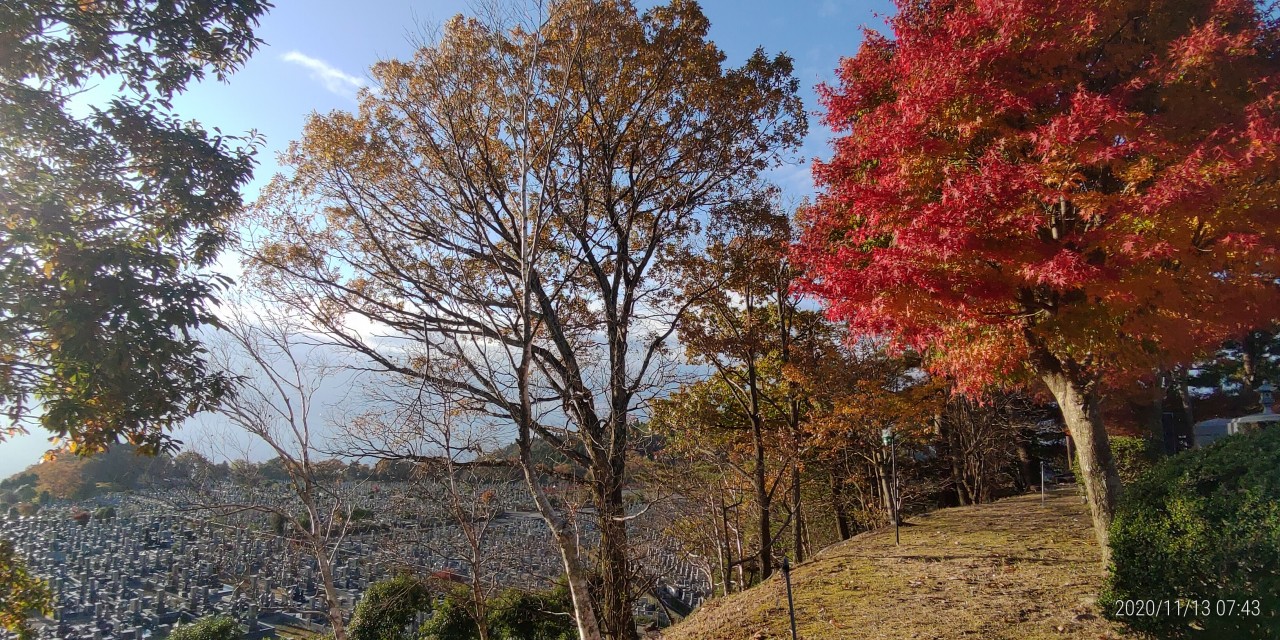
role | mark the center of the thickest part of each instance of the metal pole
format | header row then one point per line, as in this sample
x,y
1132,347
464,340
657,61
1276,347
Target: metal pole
x,y
893,499
791,605
1042,482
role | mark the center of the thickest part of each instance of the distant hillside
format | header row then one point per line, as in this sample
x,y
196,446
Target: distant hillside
x,y
543,453
1012,569
643,443
70,477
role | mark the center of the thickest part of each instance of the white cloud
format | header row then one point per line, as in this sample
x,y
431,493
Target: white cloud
x,y
335,80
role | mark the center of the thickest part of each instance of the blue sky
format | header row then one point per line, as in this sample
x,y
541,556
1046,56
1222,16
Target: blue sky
x,y
317,54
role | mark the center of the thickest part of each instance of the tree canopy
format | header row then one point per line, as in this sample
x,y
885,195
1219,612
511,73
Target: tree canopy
x,y
1056,190
519,202
1094,182
111,210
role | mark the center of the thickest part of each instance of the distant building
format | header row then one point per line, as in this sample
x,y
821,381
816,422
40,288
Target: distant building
x,y
1208,431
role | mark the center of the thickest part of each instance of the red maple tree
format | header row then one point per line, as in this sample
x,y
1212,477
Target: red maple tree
x,y
1060,190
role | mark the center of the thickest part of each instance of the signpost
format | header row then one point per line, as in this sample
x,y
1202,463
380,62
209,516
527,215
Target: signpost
x,y
887,436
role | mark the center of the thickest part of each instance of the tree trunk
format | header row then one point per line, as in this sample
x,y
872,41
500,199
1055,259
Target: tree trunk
x,y
977,473
726,554
742,556
1079,401
765,526
957,476
321,552
1028,470
1251,351
1188,413
797,526
480,608
319,545
951,439
615,586
808,536
1159,392
479,599
886,493
584,610
837,502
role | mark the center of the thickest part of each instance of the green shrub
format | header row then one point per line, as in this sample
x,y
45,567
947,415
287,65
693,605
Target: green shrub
x,y
21,594
520,615
1203,527
1134,456
388,607
215,627
452,619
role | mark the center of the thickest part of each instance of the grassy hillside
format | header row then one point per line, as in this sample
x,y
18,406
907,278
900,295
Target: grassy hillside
x,y
1012,569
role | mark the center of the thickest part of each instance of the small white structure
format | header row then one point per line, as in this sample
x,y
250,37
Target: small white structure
x,y
1209,431
1249,423
1266,393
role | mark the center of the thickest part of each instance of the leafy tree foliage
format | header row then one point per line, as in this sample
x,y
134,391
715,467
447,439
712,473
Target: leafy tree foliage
x,y
846,394
519,202
708,421
21,593
19,480
393,470
750,331
387,608
1057,190
1134,456
858,391
451,620
1240,366
216,627
786,338
520,615
110,216
194,467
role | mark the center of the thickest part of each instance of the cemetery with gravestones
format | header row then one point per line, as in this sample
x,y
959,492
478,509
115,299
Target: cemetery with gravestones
x,y
167,558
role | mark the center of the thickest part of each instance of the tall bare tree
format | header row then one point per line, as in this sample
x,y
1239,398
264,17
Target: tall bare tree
x,y
277,402
453,479
522,197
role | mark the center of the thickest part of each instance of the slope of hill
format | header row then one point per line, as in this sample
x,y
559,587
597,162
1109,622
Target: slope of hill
x,y
1011,569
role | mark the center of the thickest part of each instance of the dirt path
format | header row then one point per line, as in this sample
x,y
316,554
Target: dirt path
x,y
1012,569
